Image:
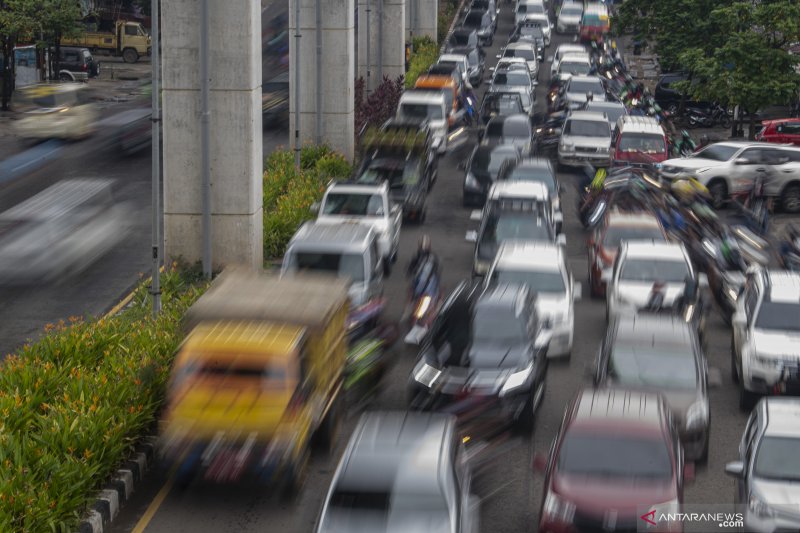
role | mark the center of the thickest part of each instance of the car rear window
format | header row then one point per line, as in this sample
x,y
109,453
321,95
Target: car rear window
x,y
353,204
778,458
538,174
651,270
512,78
345,265
547,281
670,367
581,86
611,456
525,53
616,234
648,143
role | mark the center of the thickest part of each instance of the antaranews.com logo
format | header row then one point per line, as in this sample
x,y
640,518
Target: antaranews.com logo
x,y
699,518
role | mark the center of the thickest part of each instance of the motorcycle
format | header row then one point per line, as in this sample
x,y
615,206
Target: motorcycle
x,y
685,146
754,205
426,299
708,118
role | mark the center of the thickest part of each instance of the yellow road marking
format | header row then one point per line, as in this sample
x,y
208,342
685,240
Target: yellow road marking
x,y
154,505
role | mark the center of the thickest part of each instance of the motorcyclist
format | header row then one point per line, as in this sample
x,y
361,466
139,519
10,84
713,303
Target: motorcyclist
x,y
469,101
423,254
685,144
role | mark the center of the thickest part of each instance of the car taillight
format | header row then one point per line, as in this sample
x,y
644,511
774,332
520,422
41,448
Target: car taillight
x,y
85,67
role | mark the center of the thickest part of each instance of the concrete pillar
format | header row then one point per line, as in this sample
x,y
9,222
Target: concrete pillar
x,y
337,70
236,148
422,18
387,39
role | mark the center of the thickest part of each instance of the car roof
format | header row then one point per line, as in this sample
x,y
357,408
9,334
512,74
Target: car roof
x,y
535,162
509,296
606,104
619,406
640,124
743,144
784,286
397,450
530,255
516,117
62,197
645,329
582,57
654,250
780,121
782,417
519,44
452,56
586,79
417,96
620,218
315,234
519,190
359,188
570,46
588,115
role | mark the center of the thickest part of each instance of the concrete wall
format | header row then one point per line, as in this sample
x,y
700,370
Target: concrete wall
x,y
421,18
392,33
236,148
337,71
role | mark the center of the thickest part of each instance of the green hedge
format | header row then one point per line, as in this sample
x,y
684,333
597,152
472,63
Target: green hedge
x,y
74,403
425,54
447,12
288,195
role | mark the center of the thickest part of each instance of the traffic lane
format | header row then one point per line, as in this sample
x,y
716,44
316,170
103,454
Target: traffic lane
x,y
26,310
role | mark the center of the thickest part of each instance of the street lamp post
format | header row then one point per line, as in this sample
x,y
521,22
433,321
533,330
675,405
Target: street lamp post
x,y
155,288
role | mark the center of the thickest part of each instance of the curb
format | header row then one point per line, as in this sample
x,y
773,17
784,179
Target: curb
x,y
119,488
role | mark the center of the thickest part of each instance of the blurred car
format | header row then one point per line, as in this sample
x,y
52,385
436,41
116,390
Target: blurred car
x,y
489,343
574,92
585,138
561,51
661,353
130,131
402,472
515,80
524,7
486,5
766,336
612,110
500,104
639,140
62,111
540,170
542,19
426,108
574,65
462,36
605,242
783,130
542,267
482,22
60,231
515,130
76,64
526,51
615,453
569,17
476,58
482,168
531,32
459,60
767,472
450,69
275,101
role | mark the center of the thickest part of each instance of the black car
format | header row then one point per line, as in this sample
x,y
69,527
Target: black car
x,y
548,134
476,58
532,32
669,98
77,64
482,169
462,37
489,344
511,129
481,21
500,104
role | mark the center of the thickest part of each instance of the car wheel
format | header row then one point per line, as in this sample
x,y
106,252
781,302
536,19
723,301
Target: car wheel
x,y
524,425
719,193
130,55
703,458
64,77
791,199
672,109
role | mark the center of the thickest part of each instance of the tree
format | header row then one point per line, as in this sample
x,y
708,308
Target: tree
x,y
15,21
752,68
59,19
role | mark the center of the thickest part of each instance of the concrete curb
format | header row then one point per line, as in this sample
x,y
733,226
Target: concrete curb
x,y
120,488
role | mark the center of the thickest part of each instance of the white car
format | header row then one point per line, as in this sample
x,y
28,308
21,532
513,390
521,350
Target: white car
x,y
62,111
561,51
460,60
577,87
544,20
526,7
573,65
426,107
543,268
522,50
368,205
585,138
569,17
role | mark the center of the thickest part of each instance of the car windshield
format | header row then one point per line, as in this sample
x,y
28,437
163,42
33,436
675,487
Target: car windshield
x,y
525,53
654,270
548,281
580,86
649,143
592,19
421,111
492,161
474,19
612,112
587,128
616,234
574,67
504,105
531,30
534,9
778,458
661,366
372,510
780,316
353,204
508,128
572,10
491,326
539,174
519,226
512,78
462,39
344,265
717,152
614,456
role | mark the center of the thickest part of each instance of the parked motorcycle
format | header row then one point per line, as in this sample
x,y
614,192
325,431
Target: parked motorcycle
x,y
708,118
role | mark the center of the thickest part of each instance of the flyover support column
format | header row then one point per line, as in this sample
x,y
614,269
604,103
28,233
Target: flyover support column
x,y
386,43
235,139
337,72
422,18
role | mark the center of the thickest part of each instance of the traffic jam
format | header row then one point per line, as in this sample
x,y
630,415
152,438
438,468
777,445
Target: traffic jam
x,y
585,302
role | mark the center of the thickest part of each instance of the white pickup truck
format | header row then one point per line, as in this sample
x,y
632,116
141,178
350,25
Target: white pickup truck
x,y
368,205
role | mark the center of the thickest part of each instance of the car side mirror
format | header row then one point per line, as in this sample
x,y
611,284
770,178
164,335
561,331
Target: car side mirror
x,y
714,377
539,463
314,208
742,161
688,472
471,236
702,280
577,292
735,469
561,240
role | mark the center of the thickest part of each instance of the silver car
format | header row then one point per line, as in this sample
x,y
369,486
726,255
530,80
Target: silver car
x,y
768,470
574,95
525,51
585,137
569,17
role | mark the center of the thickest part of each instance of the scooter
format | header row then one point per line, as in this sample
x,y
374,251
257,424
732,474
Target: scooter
x,y
426,299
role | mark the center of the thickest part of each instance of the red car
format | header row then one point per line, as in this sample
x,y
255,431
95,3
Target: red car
x,y
782,130
605,241
616,464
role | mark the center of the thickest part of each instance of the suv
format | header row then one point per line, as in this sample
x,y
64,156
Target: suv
x,y
539,170
573,94
515,130
569,17
765,351
542,267
77,64
616,452
346,250
481,21
767,472
490,344
661,353
426,107
585,138
639,140
368,205
482,168
527,52
784,130
528,191
668,98
402,471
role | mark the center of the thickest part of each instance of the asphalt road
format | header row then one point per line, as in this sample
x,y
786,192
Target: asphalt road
x,y
510,491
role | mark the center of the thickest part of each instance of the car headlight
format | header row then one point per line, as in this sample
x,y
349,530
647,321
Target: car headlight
x,y
759,507
517,380
568,147
426,374
557,509
422,308
470,181
697,415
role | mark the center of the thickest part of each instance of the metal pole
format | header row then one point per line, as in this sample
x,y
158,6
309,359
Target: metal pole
x,y
155,287
369,36
205,140
297,85
380,41
319,73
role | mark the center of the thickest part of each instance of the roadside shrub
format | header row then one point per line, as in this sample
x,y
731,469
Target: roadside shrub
x,y
425,54
380,105
447,12
74,403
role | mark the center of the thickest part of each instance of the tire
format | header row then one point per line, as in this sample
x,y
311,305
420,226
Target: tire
x,y
703,458
129,55
719,193
65,77
672,109
790,199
